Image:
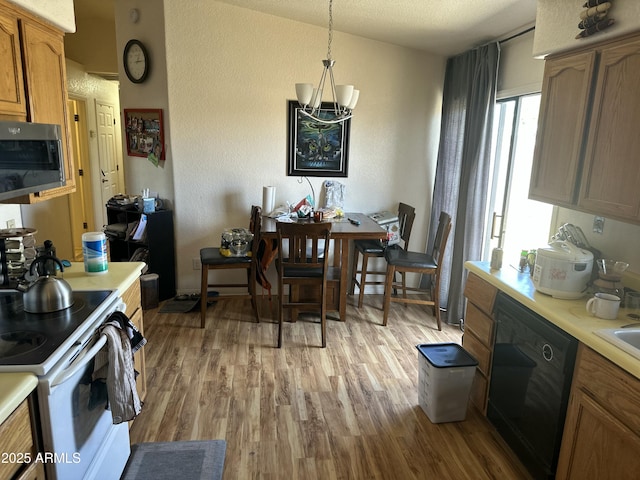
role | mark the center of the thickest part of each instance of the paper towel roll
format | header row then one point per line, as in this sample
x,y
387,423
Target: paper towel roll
x,y
268,200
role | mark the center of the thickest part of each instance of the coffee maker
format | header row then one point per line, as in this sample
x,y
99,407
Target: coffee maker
x,y
610,277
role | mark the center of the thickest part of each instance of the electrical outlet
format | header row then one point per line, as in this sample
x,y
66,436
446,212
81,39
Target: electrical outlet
x,y
598,224
196,263
11,223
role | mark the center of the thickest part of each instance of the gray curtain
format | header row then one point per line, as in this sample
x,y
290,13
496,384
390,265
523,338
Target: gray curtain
x,y
462,172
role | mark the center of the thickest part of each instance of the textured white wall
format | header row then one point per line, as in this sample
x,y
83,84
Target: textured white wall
x,y
618,240
10,212
230,73
139,172
557,24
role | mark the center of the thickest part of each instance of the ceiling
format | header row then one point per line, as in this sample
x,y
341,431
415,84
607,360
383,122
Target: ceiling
x,y
445,27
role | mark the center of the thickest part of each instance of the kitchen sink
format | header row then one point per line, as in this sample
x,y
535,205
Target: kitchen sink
x,y
625,339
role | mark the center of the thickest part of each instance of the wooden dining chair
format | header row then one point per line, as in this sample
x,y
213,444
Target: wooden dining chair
x,y
373,248
212,259
399,260
305,263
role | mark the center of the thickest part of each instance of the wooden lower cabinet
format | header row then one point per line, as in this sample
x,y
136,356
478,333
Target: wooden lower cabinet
x,y
138,358
481,293
133,299
478,335
18,446
602,428
35,471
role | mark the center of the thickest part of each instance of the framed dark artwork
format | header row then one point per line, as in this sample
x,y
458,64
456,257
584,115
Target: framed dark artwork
x,y
145,134
317,149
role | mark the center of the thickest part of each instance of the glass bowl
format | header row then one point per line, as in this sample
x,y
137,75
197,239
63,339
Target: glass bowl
x,y
611,269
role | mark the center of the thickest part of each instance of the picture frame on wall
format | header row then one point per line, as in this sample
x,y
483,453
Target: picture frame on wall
x,y
317,149
144,132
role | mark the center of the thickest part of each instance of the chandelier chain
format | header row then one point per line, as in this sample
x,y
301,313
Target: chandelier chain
x,y
330,29
345,97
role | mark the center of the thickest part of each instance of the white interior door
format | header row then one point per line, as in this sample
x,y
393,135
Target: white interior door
x,y
109,185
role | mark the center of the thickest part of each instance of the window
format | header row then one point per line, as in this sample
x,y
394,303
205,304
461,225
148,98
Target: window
x,y
514,222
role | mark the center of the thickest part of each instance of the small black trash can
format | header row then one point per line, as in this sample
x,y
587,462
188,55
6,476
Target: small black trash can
x,y
149,290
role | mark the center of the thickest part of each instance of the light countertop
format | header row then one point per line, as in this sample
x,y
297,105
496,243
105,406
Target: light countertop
x,y
120,276
569,315
14,388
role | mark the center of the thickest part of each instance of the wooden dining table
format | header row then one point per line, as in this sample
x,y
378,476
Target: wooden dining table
x,y
342,232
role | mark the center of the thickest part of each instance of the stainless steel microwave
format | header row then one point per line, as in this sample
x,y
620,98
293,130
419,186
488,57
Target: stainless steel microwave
x,y
31,158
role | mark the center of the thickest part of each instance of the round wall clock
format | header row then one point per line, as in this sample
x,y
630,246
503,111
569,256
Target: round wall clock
x,y
136,61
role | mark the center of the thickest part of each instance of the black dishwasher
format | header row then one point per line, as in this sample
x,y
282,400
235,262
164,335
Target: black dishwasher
x,y
531,376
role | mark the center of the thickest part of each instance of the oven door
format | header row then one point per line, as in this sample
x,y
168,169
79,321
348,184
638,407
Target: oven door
x,y
80,439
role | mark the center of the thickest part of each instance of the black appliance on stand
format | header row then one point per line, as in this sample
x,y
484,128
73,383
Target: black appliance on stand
x,y
532,369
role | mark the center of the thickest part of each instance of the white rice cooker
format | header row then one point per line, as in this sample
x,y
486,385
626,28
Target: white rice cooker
x,y
562,270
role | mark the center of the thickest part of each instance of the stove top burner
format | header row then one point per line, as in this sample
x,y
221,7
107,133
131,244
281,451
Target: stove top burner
x,y
31,338
14,304
19,343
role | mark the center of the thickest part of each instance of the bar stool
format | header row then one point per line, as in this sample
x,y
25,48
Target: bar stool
x,y
212,259
373,248
399,260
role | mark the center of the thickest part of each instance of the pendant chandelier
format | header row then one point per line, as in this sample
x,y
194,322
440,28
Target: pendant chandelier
x,y
345,97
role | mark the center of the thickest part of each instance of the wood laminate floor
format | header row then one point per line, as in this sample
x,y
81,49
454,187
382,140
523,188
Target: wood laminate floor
x,y
349,411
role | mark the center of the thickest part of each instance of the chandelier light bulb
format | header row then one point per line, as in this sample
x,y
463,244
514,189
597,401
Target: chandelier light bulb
x,y
344,94
354,99
316,98
304,92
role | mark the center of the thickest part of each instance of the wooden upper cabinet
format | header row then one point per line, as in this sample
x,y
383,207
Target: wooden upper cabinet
x,y
12,98
561,125
611,179
587,146
46,77
33,83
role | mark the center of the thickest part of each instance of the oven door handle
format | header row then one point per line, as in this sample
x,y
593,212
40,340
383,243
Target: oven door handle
x,y
80,362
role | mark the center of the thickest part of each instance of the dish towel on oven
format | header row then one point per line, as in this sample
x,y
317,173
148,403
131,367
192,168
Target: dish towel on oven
x,y
115,364
120,320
